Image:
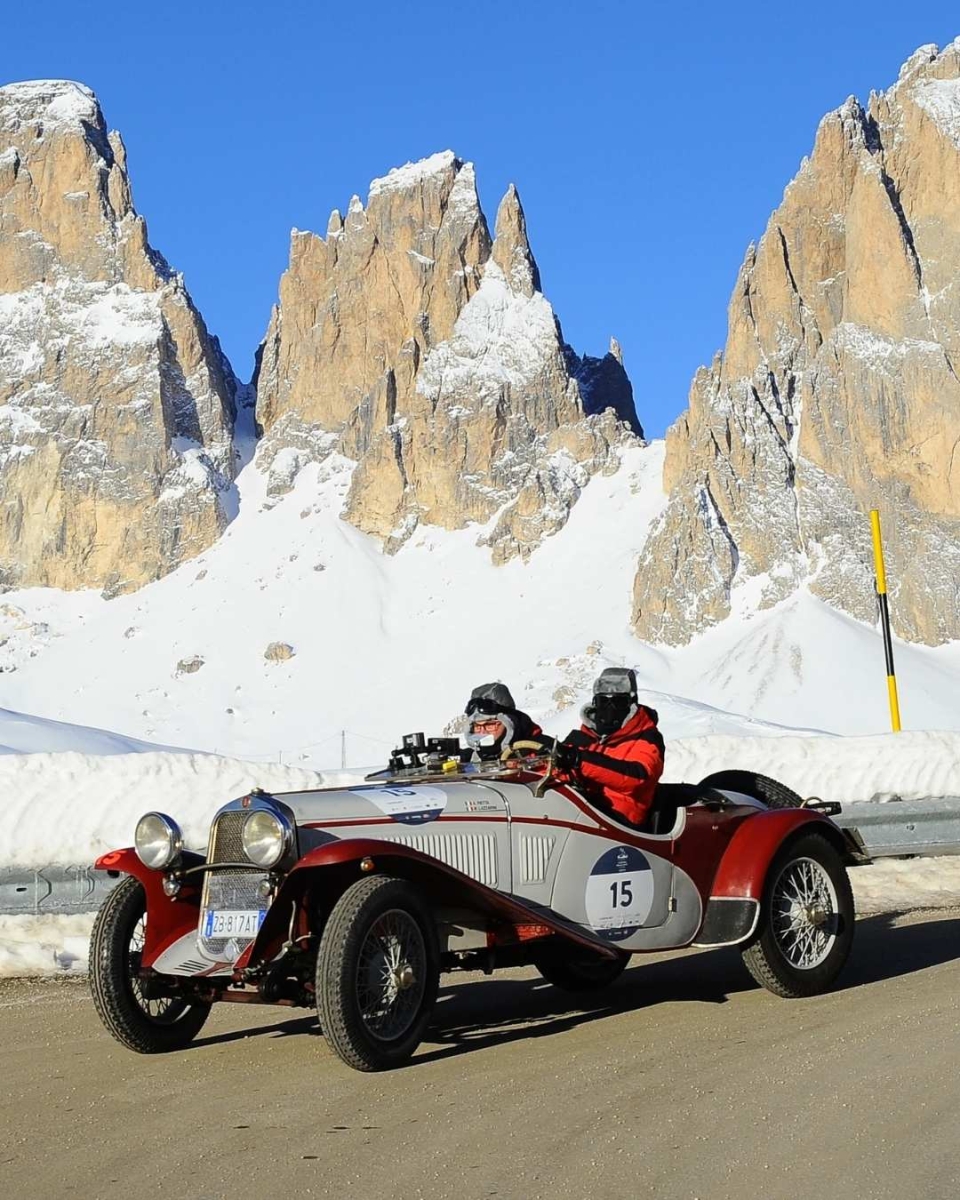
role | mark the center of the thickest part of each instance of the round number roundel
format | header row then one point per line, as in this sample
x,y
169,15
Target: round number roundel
x,y
619,893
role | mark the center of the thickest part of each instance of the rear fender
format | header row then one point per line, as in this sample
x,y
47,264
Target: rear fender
x,y
324,874
168,918
733,908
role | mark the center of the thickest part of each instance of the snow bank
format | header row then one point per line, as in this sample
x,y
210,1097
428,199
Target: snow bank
x,y
59,944
23,734
909,765
68,808
44,945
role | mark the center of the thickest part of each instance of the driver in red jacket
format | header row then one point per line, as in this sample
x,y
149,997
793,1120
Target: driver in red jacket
x,y
617,753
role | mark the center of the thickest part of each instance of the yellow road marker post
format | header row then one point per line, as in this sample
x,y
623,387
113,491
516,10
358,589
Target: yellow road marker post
x,y
881,586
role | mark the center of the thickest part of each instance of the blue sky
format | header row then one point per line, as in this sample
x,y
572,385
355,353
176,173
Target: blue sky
x,y
649,142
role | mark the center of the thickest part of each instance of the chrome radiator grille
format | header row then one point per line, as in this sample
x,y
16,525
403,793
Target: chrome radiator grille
x,y
229,890
226,844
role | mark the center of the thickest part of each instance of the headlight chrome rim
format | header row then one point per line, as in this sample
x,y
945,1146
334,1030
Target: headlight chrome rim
x,y
158,841
266,836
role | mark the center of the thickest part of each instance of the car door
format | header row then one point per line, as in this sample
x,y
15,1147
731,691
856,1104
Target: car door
x,y
625,890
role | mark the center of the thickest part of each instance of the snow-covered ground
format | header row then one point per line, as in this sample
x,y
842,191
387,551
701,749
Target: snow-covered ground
x,y
384,645
68,807
24,734
55,945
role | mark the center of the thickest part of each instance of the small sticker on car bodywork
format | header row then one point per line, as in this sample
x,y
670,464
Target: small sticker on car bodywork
x,y
619,893
412,805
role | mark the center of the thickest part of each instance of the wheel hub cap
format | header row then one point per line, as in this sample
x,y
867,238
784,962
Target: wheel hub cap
x,y
405,977
805,913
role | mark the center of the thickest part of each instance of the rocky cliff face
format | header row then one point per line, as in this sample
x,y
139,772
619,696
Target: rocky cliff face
x,y
116,406
837,390
409,341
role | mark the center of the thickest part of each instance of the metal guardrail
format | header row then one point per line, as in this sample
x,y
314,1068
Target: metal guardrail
x,y
905,827
887,829
52,890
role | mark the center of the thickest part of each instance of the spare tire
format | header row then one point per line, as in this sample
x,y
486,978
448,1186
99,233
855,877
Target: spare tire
x,y
760,787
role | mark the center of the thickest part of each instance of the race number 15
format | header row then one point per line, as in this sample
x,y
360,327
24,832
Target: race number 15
x,y
622,892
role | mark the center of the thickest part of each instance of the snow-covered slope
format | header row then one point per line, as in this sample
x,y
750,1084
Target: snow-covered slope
x,y
23,734
382,645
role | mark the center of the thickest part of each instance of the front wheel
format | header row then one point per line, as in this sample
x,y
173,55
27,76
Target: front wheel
x,y
149,1026
806,921
378,971
576,970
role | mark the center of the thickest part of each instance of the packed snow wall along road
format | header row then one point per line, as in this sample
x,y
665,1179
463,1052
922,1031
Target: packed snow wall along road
x,y
65,808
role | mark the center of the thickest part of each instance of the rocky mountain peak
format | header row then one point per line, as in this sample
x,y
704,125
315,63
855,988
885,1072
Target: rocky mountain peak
x,y
116,406
413,345
511,247
837,390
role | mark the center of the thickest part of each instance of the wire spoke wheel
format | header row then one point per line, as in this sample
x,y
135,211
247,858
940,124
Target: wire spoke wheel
x,y
378,971
806,920
140,1021
391,975
164,1009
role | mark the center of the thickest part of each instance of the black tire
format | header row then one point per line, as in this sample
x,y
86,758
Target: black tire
x,y
760,787
365,1013
773,957
576,970
147,1026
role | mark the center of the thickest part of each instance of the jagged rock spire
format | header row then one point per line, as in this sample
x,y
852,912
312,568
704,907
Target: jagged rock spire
x,y
414,346
511,247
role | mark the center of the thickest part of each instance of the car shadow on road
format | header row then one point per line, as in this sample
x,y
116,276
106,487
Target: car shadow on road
x,y
471,1014
884,950
501,1010
297,1026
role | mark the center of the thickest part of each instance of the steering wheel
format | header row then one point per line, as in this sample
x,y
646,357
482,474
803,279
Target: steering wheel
x,y
538,747
510,751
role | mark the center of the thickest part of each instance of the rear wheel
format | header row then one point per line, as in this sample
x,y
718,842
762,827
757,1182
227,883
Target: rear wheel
x,y
806,921
575,970
149,1026
378,971
760,787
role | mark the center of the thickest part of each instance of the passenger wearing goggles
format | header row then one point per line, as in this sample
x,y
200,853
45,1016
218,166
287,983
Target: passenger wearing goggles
x,y
617,753
496,722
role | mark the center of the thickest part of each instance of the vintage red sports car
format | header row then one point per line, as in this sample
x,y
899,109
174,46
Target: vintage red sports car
x,y
354,899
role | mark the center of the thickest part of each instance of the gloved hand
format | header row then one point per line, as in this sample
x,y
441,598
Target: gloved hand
x,y
566,757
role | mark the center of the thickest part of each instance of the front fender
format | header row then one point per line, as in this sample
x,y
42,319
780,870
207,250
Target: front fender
x,y
732,911
742,871
168,918
327,871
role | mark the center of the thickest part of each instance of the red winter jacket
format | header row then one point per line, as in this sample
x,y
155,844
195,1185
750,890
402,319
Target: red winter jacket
x,y
623,767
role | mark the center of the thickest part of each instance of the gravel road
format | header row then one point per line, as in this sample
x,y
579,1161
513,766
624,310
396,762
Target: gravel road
x,y
683,1080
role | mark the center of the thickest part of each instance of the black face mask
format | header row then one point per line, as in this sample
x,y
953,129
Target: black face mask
x,y
610,712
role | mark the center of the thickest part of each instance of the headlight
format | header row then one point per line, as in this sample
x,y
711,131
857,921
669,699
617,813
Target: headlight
x,y
157,841
266,837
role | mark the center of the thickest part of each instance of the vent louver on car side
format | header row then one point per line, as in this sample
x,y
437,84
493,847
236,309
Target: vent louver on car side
x,y
535,851
471,853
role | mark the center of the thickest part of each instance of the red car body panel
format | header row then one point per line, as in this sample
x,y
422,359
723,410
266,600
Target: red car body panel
x,y
742,872
170,918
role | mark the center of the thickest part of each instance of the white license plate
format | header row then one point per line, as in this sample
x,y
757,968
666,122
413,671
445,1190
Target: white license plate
x,y
222,923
